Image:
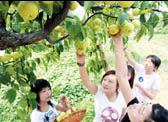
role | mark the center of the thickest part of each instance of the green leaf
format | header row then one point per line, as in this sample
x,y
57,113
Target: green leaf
x,y
16,27
38,60
88,5
11,95
142,19
145,4
31,77
5,78
151,31
20,113
125,40
58,5
48,8
153,20
166,3
32,95
84,32
122,17
140,33
16,86
33,65
4,6
146,11
74,29
165,17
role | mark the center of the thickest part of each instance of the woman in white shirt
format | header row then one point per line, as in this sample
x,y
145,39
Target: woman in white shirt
x,y
47,110
108,101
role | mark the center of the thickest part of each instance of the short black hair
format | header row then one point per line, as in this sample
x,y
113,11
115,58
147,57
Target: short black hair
x,y
37,87
155,60
159,113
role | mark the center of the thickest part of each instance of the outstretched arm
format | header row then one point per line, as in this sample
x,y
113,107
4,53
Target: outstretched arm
x,y
121,68
129,57
84,75
150,93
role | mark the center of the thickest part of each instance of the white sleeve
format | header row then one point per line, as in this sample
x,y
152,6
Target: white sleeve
x,y
139,68
156,84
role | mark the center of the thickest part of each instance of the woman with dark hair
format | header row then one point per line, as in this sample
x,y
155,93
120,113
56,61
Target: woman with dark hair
x,y
136,112
47,109
108,100
131,75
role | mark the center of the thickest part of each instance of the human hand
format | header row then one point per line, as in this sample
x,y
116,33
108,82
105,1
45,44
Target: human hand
x,y
117,36
139,85
80,58
64,102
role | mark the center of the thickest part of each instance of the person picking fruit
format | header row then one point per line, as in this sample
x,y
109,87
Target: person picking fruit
x,y
47,109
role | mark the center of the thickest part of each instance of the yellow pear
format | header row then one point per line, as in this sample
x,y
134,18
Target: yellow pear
x,y
6,58
136,12
130,16
98,2
110,2
80,47
16,55
97,28
73,5
28,10
113,29
61,116
127,28
48,2
125,4
68,112
136,23
97,21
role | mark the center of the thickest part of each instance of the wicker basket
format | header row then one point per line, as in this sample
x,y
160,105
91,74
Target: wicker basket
x,y
76,116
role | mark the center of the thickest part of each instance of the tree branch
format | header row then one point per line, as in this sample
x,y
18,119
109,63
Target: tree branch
x,y
57,18
85,22
81,3
9,39
100,7
96,13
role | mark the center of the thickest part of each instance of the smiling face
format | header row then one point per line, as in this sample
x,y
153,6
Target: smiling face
x,y
109,84
139,112
45,94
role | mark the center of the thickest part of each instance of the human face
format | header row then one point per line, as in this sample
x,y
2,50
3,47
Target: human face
x,y
45,94
109,84
149,66
139,112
